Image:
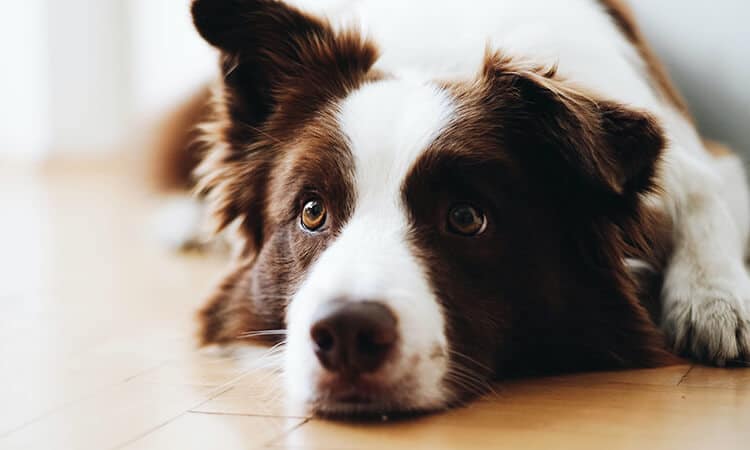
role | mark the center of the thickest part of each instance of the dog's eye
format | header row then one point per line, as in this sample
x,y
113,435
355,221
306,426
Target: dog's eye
x,y
313,215
466,220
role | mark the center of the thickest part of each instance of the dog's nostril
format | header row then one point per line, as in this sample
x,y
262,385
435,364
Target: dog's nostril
x,y
353,337
375,340
323,339
365,343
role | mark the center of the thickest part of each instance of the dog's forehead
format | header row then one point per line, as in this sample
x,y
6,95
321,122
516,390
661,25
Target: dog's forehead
x,y
388,125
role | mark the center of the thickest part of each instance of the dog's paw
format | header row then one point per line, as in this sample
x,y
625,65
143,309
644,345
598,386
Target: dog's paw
x,y
710,324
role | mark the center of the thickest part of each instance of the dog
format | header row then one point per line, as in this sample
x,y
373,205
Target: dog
x,y
430,195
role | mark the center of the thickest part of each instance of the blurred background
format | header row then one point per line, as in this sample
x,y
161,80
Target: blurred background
x,y
97,322
82,78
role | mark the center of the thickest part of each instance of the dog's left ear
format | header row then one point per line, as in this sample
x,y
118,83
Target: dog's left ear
x,y
599,146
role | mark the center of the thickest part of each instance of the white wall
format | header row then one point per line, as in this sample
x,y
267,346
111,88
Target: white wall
x,y
706,45
80,77
24,130
88,82
168,58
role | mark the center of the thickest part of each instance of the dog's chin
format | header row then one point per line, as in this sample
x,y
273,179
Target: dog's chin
x,y
367,412
369,409
371,401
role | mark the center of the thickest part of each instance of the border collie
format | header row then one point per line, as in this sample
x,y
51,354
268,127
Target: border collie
x,y
428,195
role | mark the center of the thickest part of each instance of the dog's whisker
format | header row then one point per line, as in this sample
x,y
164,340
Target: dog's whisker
x,y
466,384
462,380
277,351
271,358
477,379
257,333
470,359
470,385
471,376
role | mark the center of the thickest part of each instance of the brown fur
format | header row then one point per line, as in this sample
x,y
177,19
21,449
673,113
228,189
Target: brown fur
x,y
232,311
547,278
177,150
256,117
560,173
273,146
255,296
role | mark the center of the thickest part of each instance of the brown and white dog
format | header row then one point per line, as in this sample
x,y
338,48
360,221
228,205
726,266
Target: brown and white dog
x,y
432,194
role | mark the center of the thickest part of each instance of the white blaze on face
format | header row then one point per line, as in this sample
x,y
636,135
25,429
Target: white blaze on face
x,y
388,124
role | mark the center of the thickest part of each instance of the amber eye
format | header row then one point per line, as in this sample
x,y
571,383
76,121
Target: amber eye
x,y
313,215
466,220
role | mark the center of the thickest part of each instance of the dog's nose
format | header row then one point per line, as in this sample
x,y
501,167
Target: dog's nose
x,y
351,338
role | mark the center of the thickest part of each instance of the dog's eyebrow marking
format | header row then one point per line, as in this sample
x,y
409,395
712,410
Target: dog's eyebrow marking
x,y
389,124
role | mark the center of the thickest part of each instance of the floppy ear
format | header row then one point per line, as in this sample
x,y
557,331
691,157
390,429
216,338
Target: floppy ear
x,y
273,52
280,66
599,145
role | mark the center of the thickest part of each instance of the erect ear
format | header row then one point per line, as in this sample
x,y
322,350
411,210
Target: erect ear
x,y
270,49
606,146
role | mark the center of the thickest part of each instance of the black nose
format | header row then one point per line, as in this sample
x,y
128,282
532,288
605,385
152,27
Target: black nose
x,y
351,338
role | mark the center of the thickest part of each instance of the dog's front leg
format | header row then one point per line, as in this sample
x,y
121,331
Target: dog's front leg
x,y
706,296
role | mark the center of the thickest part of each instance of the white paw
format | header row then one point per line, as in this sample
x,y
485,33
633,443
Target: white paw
x,y
710,323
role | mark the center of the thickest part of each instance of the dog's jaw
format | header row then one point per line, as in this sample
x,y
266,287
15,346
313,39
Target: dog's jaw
x,y
388,124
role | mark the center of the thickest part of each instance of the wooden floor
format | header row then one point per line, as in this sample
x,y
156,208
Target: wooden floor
x,y
96,352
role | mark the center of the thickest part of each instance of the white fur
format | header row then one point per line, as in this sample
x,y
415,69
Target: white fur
x,y
707,289
706,296
388,125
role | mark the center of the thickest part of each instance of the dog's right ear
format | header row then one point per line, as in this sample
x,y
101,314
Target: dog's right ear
x,y
273,53
280,66
235,25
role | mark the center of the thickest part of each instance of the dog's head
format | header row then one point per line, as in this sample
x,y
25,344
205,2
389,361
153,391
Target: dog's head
x,y
418,237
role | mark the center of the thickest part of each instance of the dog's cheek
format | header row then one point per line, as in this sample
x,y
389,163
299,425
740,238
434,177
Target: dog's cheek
x,y
477,338
249,304
230,311
476,297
